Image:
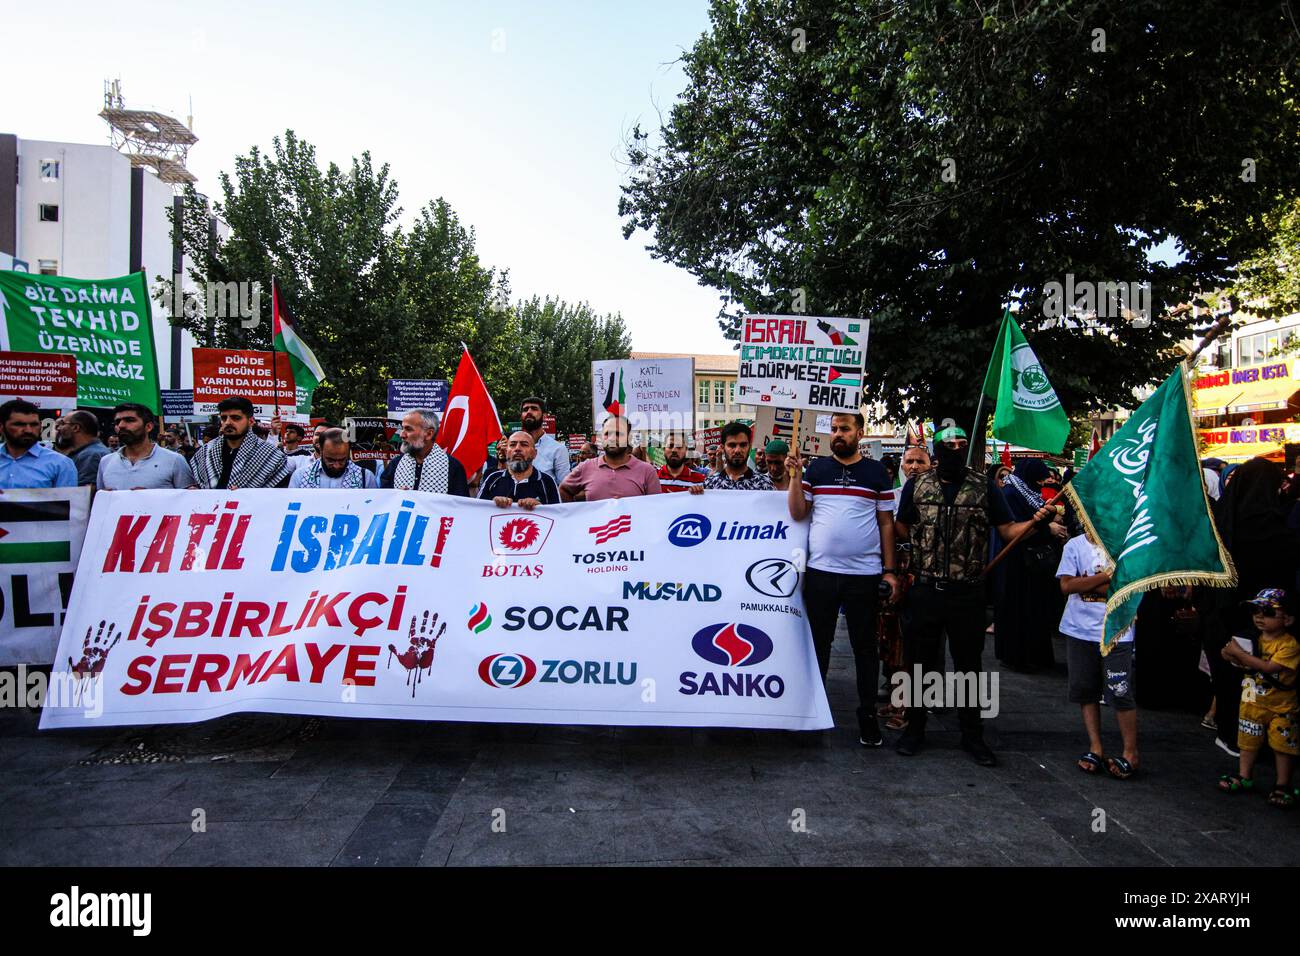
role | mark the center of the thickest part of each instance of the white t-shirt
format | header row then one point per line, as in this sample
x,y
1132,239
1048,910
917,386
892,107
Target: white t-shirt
x,y
1085,614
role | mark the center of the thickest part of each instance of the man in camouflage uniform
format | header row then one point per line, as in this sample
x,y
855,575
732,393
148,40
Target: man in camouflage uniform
x,y
946,514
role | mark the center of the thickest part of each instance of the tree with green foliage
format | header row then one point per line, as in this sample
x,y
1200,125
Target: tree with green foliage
x,y
923,163
372,300
557,344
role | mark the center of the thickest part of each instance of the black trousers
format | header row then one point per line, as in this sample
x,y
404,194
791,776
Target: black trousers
x,y
929,614
824,593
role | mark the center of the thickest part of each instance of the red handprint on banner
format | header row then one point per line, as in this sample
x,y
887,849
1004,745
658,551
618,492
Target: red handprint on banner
x,y
94,651
418,657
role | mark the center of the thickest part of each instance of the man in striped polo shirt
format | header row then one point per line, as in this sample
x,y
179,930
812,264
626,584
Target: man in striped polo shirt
x,y
677,474
851,502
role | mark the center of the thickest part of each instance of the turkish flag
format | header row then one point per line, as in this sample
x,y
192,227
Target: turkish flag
x,y
470,422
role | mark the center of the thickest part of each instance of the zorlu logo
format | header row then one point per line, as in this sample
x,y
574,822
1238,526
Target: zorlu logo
x,y
620,525
507,670
732,645
516,534
689,530
479,618
775,577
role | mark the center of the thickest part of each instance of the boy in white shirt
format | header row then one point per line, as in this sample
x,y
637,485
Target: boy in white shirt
x,y
1085,580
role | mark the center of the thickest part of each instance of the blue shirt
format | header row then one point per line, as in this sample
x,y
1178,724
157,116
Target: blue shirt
x,y
37,467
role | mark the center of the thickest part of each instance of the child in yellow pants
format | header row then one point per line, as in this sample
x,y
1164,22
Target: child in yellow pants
x,y
1268,696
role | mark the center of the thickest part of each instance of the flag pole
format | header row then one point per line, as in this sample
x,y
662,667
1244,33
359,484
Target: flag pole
x,y
275,359
1217,329
979,416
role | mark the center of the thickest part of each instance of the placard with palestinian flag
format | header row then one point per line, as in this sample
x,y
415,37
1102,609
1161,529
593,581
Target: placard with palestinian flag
x,y
802,361
41,534
653,394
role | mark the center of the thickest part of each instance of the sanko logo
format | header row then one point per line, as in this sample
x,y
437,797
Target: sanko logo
x,y
507,670
75,909
732,645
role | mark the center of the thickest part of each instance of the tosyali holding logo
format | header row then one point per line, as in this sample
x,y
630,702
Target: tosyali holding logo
x,y
732,645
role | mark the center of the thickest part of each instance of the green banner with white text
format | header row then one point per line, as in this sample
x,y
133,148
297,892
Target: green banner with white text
x,y
105,323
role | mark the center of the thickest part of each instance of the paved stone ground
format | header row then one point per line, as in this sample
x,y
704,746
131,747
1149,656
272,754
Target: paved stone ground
x,y
287,791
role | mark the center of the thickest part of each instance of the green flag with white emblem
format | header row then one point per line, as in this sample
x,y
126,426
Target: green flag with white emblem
x,y
1027,410
1142,498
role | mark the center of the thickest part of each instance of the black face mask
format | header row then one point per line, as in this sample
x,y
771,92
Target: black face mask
x,y
950,463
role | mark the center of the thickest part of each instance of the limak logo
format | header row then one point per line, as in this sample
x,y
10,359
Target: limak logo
x,y
689,530
732,645
507,670
513,535
479,618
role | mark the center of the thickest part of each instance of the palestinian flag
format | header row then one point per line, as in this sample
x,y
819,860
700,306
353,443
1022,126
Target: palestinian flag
x,y
35,532
835,335
614,405
847,377
307,373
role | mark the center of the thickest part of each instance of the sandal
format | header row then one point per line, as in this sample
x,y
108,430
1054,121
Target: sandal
x,y
1282,799
897,722
1208,723
1232,782
1089,762
1119,768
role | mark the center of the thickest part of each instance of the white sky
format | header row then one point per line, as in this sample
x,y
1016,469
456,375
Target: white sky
x,y
523,142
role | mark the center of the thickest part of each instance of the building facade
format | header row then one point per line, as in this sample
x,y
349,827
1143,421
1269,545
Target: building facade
x,y
66,211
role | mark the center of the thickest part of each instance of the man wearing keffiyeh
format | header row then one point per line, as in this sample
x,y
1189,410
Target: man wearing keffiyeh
x,y
423,466
239,459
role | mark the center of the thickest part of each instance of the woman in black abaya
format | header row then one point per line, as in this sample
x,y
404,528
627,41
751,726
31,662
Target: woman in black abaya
x,y
1027,613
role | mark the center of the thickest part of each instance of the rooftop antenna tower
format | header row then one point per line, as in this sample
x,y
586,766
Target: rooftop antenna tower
x,y
148,138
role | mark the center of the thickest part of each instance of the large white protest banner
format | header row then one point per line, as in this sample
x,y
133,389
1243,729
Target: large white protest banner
x,y
802,361
647,611
655,395
41,531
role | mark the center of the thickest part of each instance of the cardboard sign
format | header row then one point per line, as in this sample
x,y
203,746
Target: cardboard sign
x,y
260,377
802,361
47,380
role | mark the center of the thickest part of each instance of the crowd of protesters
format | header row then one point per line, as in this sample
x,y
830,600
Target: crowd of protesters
x,y
901,548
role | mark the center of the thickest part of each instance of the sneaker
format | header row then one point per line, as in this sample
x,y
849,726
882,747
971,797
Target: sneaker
x,y
869,733
980,752
1209,723
1230,751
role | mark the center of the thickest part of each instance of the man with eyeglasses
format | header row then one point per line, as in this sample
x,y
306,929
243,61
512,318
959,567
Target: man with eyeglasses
x,y
946,514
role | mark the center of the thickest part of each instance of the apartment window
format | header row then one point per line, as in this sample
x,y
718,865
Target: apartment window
x,y
719,393
49,170
49,212
731,392
702,395
48,267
